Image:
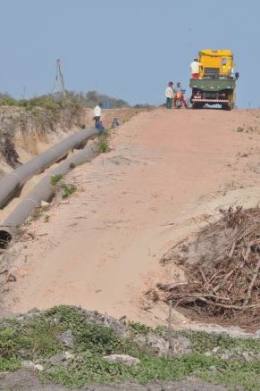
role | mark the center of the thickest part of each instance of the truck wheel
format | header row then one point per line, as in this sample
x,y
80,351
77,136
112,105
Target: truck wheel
x,y
197,105
228,106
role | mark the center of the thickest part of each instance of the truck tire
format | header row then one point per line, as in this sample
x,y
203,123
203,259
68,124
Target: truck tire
x,y
228,106
197,105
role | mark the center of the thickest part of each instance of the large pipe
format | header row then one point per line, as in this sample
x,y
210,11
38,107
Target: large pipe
x,y
43,191
13,182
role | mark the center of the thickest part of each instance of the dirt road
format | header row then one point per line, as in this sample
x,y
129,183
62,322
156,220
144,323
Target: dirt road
x,y
101,248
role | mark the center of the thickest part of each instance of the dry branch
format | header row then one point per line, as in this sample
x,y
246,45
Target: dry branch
x,y
228,283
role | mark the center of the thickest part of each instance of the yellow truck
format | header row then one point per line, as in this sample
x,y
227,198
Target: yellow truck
x,y
216,83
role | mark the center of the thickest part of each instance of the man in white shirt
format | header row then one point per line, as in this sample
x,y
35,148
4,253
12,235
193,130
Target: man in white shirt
x,y
97,114
169,94
195,69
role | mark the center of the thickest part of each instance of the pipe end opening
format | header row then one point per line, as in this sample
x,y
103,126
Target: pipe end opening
x,y
5,238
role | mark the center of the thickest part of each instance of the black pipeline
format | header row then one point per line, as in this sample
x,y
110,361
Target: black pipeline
x,y
12,183
43,191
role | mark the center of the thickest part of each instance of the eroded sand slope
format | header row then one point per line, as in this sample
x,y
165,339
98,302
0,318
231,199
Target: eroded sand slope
x,y
101,248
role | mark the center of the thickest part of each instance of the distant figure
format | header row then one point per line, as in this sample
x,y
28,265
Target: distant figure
x,y
234,75
169,94
97,115
100,126
179,97
195,69
115,123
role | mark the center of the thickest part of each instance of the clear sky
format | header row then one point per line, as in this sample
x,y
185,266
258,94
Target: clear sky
x,y
125,48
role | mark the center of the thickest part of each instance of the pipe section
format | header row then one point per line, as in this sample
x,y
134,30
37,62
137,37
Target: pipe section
x,y
43,191
12,183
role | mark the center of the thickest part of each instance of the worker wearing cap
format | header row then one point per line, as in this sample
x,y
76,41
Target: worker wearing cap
x,y
169,94
195,69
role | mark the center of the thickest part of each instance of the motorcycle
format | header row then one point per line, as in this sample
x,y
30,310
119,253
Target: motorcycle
x,y
179,99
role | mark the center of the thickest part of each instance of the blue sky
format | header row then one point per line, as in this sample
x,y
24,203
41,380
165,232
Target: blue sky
x,y
125,48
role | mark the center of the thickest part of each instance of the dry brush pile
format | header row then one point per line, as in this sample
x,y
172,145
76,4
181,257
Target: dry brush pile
x,y
222,269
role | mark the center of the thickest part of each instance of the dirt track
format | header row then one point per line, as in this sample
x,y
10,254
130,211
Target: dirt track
x,y
101,248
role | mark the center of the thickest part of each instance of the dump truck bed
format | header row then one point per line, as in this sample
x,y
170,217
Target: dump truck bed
x,y
218,62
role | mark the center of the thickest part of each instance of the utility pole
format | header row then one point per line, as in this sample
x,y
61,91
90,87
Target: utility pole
x,y
59,86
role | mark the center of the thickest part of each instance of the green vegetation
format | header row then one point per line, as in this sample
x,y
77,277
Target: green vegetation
x,y
57,101
51,103
98,339
103,143
93,369
139,328
66,189
235,375
10,364
203,342
37,337
56,179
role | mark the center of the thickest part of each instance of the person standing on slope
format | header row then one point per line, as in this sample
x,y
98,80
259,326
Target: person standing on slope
x,y
195,69
97,115
169,94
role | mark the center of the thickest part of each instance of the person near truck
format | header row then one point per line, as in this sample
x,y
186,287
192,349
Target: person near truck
x,y
179,96
97,115
195,69
169,95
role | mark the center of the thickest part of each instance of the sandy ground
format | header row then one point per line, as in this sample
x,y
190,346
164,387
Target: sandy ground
x,y
101,248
